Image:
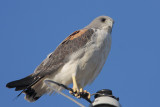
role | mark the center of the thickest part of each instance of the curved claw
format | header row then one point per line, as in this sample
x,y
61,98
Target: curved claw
x,y
85,94
75,93
79,93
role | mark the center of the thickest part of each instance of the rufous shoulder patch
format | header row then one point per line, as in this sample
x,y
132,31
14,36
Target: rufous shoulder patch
x,y
76,34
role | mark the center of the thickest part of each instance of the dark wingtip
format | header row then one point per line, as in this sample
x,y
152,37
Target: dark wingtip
x,y
21,82
8,85
25,85
11,84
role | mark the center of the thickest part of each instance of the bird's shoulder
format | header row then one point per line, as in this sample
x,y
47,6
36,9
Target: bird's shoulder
x,y
73,42
74,35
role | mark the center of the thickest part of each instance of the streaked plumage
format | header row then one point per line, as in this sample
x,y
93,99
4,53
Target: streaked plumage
x,y
81,54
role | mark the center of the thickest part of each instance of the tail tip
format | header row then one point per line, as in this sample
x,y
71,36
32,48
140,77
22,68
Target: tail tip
x,y
8,85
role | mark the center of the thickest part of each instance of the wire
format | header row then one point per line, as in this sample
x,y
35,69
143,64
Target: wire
x,y
82,94
49,81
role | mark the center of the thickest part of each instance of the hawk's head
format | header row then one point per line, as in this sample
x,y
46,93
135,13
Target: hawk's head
x,y
101,22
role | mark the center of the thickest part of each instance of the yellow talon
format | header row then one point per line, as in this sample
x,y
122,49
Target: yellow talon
x,y
89,95
71,92
81,90
75,88
76,91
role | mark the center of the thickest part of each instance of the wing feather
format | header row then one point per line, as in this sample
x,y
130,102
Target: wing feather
x,y
71,44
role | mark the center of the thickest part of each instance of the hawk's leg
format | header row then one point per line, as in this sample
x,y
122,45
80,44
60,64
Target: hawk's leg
x,y
78,92
75,87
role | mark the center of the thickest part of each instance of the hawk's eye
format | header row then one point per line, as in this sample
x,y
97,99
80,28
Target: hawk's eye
x,y
103,20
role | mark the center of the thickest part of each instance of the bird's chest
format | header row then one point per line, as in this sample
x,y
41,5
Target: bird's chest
x,y
87,62
95,54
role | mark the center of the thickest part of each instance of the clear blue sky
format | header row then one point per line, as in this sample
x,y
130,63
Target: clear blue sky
x,y
31,29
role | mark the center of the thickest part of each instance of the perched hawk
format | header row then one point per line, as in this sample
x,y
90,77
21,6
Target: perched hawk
x,y
78,60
